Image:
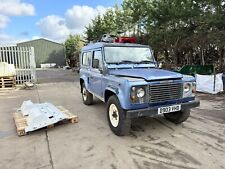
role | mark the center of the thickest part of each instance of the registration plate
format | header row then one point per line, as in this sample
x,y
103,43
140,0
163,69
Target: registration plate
x,y
169,109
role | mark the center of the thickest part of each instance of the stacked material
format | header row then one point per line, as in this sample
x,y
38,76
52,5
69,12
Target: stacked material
x,y
7,75
8,82
31,117
7,70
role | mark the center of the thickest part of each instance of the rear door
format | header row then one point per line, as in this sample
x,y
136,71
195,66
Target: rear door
x,y
96,75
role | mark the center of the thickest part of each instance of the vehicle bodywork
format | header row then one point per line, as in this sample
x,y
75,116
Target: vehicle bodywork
x,y
162,88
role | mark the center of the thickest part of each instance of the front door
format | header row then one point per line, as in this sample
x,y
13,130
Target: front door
x,y
96,75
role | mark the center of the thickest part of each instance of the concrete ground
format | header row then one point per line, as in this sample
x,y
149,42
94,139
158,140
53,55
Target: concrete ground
x,y
153,143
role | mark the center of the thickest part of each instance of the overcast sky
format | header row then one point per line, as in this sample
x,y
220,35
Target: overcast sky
x,y
22,20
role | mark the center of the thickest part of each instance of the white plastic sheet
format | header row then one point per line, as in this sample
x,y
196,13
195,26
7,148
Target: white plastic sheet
x,y
7,69
205,83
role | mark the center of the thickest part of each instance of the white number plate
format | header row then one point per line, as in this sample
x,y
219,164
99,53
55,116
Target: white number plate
x,y
169,109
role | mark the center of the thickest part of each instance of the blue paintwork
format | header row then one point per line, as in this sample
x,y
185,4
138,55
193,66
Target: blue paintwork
x,y
188,78
95,82
147,74
120,78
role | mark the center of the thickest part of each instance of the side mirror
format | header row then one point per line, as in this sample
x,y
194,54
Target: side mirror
x,y
96,63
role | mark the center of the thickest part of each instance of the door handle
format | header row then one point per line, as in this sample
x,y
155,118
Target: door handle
x,y
92,77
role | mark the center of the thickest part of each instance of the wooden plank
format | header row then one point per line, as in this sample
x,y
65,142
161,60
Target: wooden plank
x,y
20,122
7,82
7,77
71,117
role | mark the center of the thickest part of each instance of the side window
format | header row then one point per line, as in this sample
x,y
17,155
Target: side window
x,y
98,56
86,58
89,56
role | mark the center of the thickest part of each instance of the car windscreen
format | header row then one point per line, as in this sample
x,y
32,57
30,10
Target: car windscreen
x,y
128,55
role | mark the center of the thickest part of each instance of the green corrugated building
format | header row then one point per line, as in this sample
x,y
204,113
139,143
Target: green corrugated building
x,y
46,51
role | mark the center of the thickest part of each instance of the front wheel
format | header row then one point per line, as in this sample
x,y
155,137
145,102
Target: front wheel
x,y
119,124
178,117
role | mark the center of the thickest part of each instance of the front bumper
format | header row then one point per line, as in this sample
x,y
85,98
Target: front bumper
x,y
153,111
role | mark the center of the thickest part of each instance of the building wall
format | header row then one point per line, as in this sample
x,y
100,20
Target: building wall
x,y
46,51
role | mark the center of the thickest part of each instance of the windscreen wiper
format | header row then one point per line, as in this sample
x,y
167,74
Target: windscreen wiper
x,y
146,61
125,61
129,61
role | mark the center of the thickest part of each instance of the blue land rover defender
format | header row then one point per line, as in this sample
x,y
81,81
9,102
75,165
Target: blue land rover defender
x,y
126,77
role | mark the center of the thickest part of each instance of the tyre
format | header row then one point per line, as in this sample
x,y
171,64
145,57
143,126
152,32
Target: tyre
x,y
86,95
178,117
119,124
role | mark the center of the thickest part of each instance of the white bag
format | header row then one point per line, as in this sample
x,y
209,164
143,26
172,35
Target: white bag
x,y
7,69
205,83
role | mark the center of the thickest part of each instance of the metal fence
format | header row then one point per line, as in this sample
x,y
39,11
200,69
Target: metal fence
x,y
23,60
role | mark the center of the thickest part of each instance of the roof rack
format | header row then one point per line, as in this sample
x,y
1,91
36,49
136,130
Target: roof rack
x,y
107,38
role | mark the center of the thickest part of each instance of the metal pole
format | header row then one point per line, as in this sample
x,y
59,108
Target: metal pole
x,y
214,83
33,64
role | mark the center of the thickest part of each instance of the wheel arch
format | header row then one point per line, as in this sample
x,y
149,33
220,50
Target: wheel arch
x,y
108,93
81,82
115,91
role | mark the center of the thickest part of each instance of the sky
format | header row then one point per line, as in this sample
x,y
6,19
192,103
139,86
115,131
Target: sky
x,y
22,20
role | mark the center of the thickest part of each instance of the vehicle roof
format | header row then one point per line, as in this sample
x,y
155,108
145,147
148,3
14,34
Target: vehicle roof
x,y
103,44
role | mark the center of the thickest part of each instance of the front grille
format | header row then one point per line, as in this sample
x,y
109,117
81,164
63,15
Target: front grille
x,y
165,92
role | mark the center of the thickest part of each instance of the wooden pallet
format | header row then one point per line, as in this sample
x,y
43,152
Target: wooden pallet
x,y
70,117
21,121
7,82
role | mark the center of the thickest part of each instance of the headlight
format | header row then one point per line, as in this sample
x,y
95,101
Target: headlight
x,y
187,87
140,92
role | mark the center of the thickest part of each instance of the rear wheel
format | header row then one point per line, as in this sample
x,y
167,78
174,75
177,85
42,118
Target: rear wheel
x,y
118,122
86,95
178,117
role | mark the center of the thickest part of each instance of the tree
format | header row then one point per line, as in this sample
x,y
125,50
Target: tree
x,y
179,31
73,45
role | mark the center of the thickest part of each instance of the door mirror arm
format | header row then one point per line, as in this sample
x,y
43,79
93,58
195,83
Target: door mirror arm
x,y
104,71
